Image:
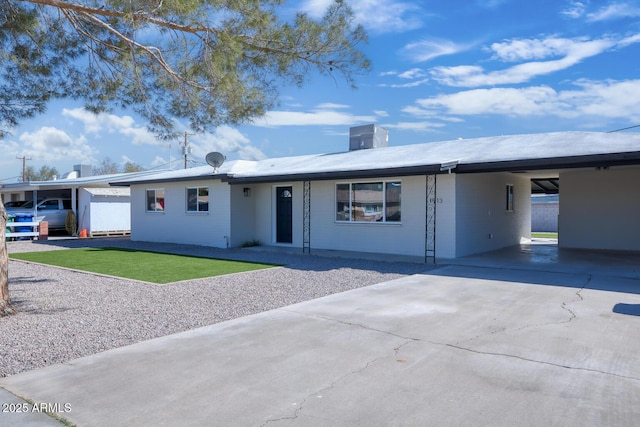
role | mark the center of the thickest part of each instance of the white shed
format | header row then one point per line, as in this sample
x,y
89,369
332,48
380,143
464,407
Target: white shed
x,y
104,211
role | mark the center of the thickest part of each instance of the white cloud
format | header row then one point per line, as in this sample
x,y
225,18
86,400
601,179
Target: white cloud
x,y
614,11
572,51
94,123
528,49
380,16
602,99
322,115
422,126
331,106
315,8
414,73
226,140
428,49
388,73
502,101
414,83
111,123
574,10
49,144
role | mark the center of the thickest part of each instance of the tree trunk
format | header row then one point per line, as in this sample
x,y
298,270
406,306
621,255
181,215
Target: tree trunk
x,y
5,305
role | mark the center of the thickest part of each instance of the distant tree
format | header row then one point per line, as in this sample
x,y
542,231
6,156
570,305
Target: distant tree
x,y
211,62
132,167
45,173
106,167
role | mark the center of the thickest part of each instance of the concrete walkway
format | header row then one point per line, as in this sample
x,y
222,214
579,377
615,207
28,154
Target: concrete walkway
x,y
490,343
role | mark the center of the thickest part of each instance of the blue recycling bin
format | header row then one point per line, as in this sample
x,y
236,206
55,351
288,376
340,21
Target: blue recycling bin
x,y
23,218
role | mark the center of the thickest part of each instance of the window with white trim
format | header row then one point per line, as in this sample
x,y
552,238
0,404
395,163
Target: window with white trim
x,y
197,199
378,201
509,198
155,200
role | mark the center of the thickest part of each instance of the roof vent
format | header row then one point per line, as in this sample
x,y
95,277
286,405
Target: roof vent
x,y
368,136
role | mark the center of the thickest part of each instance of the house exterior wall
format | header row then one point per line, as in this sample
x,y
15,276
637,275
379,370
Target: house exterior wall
x,y
482,221
174,224
404,238
470,216
446,206
243,219
600,209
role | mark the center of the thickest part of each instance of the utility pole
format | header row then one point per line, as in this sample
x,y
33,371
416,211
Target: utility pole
x,y
24,166
186,150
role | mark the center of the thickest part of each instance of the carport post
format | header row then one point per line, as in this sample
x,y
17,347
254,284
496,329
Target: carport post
x,y
74,198
35,204
430,220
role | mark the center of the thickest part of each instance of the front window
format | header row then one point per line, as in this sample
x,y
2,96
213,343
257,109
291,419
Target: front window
x,y
155,200
368,202
198,199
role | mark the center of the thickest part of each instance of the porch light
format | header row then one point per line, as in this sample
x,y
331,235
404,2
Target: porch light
x,y
246,191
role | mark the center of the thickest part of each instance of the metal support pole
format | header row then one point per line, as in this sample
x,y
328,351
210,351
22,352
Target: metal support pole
x,y
306,217
430,234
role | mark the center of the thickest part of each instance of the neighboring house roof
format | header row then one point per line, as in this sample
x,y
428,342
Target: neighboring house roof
x,y
109,191
89,181
500,153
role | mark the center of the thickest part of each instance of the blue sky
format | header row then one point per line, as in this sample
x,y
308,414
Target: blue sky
x,y
441,71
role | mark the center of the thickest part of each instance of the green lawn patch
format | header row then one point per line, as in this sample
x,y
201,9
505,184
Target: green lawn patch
x,y
139,265
545,235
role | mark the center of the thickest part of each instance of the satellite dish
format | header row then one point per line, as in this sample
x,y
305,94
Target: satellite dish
x,y
215,159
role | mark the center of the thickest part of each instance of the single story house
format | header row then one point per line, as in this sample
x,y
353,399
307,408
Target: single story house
x,y
435,200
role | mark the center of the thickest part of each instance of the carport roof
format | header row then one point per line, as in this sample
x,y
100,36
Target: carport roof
x,y
88,181
491,154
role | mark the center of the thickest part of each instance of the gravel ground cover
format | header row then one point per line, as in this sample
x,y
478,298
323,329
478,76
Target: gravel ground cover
x,y
65,314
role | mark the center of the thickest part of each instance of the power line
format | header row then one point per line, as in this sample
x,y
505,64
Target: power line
x,y
618,130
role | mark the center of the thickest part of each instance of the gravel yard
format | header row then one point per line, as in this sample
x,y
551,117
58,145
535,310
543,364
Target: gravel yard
x,y
65,314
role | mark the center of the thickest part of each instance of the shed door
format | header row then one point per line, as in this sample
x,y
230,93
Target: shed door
x,y
284,215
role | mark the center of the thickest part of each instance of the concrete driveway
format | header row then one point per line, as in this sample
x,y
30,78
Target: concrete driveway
x,y
464,345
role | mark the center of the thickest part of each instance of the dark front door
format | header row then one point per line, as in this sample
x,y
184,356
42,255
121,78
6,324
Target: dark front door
x,y
284,215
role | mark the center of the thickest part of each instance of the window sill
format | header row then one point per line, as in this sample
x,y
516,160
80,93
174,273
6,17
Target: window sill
x,y
373,223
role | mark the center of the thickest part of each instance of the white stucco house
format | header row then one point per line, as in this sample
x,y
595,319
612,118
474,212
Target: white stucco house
x,y
435,200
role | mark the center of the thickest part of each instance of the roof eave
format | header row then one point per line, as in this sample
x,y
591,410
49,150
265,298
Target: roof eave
x,y
569,162
222,177
336,175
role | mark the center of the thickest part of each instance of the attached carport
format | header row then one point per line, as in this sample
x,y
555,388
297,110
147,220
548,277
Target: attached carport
x,y
599,203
